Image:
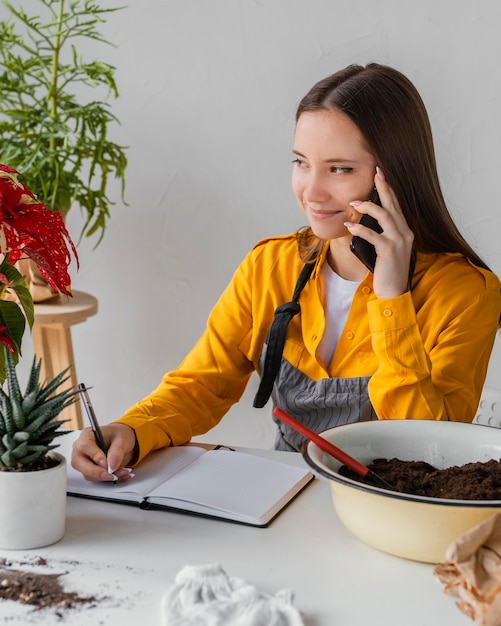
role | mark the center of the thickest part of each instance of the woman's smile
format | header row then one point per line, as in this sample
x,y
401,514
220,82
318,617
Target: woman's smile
x,y
323,213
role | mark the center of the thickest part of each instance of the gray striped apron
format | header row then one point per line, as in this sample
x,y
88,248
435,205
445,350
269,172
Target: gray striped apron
x,y
319,405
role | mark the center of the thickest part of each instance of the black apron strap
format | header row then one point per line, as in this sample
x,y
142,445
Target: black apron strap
x,y
276,338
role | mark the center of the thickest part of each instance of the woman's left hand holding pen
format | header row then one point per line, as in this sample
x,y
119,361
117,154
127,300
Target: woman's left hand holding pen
x,y
93,463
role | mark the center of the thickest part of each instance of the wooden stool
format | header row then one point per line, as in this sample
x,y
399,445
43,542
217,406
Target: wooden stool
x,y
52,343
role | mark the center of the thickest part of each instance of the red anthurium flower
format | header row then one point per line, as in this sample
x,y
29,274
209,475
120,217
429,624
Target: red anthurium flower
x,y
28,228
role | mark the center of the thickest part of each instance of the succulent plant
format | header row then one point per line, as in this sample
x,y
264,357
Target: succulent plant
x,y
28,423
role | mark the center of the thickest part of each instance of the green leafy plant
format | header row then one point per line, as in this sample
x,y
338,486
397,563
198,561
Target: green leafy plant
x,y
59,143
13,316
28,424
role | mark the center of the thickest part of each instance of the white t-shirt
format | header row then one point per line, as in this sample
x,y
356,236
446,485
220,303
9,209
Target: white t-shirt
x,y
338,295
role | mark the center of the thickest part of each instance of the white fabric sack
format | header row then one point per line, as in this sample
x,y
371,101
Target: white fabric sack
x,y
204,595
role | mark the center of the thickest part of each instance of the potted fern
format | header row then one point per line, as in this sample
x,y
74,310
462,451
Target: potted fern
x,y
32,476
53,126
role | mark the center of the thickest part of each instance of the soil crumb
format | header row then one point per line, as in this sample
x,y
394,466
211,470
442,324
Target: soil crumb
x,y
472,481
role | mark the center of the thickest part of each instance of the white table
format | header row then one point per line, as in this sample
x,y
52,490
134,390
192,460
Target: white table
x,y
130,556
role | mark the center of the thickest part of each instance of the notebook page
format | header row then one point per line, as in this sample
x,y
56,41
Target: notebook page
x,y
228,481
156,468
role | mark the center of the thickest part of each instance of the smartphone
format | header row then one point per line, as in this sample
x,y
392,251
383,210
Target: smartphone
x,y
361,248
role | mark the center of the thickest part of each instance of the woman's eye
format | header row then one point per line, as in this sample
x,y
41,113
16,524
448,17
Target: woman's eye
x,y
335,169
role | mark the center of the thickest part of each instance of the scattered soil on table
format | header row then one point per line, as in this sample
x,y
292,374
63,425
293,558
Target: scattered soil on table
x,y
473,481
39,590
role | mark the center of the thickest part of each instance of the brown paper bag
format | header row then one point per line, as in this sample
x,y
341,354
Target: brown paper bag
x,y
472,572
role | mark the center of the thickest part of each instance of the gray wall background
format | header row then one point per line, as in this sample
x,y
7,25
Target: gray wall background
x,y
208,94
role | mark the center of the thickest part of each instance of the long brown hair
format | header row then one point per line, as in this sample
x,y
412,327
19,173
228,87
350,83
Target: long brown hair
x,y
391,116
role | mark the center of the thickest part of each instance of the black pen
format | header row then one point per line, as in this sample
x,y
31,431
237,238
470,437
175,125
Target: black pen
x,y
92,418
96,429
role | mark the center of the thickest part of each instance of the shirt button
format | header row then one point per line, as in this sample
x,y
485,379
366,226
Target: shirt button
x,y
387,312
366,289
349,335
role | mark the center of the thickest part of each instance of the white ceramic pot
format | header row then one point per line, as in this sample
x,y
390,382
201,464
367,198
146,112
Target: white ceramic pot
x,y
33,507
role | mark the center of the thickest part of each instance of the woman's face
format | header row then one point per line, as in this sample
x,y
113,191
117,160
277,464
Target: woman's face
x,y
332,167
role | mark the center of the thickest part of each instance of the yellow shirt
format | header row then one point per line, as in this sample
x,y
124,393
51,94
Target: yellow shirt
x,y
426,351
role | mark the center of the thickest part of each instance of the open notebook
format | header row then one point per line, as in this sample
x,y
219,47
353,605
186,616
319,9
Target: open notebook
x,y
220,483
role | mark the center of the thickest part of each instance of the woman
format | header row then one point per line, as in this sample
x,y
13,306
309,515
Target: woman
x,y
410,340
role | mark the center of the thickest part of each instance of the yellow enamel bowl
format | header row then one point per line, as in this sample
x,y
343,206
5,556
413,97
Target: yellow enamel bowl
x,y
408,526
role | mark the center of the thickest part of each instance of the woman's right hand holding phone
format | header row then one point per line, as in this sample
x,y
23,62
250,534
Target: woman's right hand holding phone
x,y
393,245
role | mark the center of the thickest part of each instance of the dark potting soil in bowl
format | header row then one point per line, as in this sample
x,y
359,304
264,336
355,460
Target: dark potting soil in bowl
x,y
472,481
